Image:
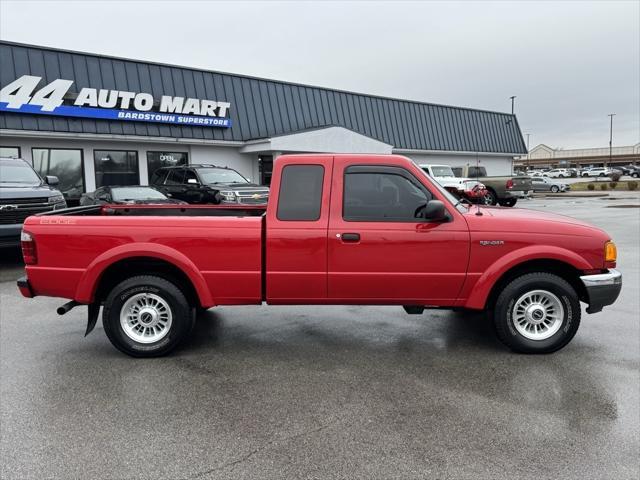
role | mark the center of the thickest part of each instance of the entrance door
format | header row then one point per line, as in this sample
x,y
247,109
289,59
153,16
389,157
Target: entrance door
x,y
265,165
379,252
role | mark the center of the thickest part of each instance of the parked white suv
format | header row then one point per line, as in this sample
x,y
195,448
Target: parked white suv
x,y
558,173
598,172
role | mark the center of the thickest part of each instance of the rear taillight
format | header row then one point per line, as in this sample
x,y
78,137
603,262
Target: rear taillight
x,y
28,248
509,184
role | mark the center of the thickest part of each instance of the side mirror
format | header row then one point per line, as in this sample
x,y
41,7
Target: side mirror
x,y
434,211
51,180
192,181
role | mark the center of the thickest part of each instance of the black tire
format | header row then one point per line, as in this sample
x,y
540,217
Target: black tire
x,y
504,306
509,202
554,189
585,175
601,175
561,176
635,175
182,315
491,198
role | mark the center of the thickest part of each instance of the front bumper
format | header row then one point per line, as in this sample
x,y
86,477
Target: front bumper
x,y
602,289
10,235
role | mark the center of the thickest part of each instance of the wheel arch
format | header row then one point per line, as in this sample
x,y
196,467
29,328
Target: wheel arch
x,y
124,262
545,258
560,268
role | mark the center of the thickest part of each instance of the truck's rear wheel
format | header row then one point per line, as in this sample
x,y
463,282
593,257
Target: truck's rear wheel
x,y
537,313
146,316
509,202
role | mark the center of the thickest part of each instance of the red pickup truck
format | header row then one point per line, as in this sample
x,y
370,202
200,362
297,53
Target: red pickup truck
x,y
338,229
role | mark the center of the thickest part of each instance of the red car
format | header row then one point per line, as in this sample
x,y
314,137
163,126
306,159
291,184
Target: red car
x,y
338,229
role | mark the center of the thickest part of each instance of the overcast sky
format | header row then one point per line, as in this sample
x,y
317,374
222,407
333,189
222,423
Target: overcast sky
x,y
569,63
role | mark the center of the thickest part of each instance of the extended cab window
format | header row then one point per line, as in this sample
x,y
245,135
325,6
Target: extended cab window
x,y
392,195
300,196
475,172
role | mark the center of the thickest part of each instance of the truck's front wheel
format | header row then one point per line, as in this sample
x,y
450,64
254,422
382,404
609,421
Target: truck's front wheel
x,y
537,313
490,198
146,316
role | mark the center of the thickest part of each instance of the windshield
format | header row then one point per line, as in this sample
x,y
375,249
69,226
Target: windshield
x,y
453,200
443,171
16,171
136,193
220,175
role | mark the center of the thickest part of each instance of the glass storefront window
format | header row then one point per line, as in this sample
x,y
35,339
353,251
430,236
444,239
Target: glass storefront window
x,y
156,160
116,167
10,152
66,164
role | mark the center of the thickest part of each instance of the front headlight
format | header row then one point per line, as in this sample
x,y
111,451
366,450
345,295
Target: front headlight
x,y
56,199
229,196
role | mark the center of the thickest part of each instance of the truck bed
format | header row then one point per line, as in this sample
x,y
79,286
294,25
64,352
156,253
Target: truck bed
x,y
163,211
218,245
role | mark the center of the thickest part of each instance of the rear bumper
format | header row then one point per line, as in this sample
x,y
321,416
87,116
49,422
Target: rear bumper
x,y
602,289
24,287
517,193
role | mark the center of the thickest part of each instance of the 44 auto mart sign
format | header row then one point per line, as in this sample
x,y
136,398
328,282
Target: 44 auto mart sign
x,y
23,96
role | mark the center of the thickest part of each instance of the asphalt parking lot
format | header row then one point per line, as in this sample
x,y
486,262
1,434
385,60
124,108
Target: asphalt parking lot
x,y
336,392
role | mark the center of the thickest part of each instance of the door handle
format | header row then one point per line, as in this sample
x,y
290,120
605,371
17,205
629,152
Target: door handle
x,y
350,237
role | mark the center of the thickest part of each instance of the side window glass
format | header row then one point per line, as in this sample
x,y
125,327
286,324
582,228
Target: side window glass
x,y
381,197
300,197
175,177
158,177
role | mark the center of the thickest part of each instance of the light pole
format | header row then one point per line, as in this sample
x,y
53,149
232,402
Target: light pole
x,y
611,115
528,135
512,97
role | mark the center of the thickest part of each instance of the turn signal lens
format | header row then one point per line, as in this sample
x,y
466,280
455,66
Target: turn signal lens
x,y
610,252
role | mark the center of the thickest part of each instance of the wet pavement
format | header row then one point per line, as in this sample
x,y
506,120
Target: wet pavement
x,y
331,392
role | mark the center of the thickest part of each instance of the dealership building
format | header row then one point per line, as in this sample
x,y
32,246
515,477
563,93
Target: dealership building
x,y
93,120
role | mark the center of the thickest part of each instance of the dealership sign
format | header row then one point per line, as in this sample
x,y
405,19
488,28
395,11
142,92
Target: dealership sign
x,y
21,96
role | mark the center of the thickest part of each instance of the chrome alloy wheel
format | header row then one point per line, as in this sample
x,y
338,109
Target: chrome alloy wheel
x,y
538,315
145,318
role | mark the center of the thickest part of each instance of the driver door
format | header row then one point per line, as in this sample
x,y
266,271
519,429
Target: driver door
x,y
379,251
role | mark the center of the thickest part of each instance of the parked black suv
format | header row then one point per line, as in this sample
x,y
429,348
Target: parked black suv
x,y
23,193
208,184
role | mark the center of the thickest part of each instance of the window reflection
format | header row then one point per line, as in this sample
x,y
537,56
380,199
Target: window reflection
x,y
66,164
116,167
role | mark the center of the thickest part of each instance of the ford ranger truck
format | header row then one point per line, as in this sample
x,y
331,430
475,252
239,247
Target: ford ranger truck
x,y
338,229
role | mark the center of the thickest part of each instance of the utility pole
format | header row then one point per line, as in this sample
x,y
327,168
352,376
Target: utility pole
x,y
611,115
528,135
512,97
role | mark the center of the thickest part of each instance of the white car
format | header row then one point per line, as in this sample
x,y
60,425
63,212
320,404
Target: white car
x,y
558,173
598,172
